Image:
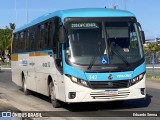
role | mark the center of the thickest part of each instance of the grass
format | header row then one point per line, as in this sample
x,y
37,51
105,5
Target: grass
x,y
5,65
153,76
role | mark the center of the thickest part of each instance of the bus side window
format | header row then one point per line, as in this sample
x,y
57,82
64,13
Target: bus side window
x,y
50,36
13,42
38,37
41,37
28,38
19,40
46,35
32,40
26,41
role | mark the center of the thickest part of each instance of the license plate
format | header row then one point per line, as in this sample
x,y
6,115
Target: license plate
x,y
111,92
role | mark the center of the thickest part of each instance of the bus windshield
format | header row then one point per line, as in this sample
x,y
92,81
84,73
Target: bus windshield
x,y
103,42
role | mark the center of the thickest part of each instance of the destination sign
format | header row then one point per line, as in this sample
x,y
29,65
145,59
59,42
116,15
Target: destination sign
x,y
84,25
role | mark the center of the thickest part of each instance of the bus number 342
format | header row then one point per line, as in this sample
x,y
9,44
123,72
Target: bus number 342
x,y
46,64
92,77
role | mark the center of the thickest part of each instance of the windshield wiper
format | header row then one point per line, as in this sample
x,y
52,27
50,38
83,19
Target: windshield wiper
x,y
121,57
92,62
95,57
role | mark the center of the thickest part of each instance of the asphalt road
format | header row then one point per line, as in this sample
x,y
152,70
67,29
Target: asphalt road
x,y
36,102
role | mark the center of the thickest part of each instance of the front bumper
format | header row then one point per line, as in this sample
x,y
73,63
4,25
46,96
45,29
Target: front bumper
x,y
84,94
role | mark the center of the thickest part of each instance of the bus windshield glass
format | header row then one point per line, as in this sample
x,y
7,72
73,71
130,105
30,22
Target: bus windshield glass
x,y
103,42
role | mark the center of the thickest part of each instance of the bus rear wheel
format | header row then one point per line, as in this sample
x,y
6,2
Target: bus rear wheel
x,y
24,86
54,101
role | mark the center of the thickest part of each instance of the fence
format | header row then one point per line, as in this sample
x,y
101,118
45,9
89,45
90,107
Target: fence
x,y
153,72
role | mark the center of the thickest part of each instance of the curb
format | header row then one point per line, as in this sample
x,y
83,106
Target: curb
x,y
6,106
152,67
2,68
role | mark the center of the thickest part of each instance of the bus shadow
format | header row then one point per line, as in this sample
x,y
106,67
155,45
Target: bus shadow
x,y
38,95
2,71
98,106
141,103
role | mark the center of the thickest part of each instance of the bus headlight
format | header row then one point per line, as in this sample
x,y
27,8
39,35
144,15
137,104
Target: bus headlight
x,y
79,81
141,76
138,78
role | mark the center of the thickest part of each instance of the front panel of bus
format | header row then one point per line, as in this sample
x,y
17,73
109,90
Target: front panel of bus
x,y
103,59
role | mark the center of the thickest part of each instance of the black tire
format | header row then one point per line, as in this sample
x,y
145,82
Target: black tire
x,y
54,101
24,86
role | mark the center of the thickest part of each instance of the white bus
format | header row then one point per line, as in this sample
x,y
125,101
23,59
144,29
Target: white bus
x,y
81,55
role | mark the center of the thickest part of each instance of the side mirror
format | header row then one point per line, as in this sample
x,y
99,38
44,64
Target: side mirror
x,y
61,35
141,32
142,36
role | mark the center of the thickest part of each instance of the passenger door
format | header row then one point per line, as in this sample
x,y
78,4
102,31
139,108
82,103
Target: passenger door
x,y
58,60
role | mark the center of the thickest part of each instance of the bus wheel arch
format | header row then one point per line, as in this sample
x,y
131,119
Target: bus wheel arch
x,y
52,93
24,85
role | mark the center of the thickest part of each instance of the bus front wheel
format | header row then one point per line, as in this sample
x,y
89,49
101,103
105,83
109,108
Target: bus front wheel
x,y
24,86
54,101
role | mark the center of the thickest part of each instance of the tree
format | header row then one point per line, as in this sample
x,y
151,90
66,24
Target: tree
x,y
6,37
151,48
12,26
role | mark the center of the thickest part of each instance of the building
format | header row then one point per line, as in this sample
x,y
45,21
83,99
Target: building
x,y
152,41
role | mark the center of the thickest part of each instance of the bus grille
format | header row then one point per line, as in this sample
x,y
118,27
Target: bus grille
x,y
110,84
102,95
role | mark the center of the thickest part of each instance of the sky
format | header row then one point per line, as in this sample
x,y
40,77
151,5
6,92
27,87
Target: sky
x,y
146,11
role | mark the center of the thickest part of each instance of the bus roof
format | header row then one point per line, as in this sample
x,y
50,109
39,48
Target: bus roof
x,y
81,12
